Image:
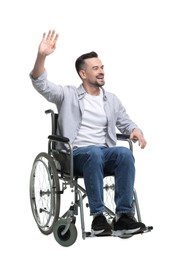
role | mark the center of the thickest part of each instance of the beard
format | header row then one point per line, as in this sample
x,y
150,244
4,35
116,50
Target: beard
x,y
97,83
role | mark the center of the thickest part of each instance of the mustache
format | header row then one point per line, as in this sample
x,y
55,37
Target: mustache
x,y
100,75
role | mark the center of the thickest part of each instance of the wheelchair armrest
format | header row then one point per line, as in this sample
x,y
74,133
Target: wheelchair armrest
x,y
58,138
122,136
125,137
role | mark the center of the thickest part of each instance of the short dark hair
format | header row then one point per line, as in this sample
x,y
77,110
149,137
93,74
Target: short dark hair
x,y
80,62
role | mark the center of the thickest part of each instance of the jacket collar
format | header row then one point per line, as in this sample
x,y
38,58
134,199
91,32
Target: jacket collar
x,y
82,92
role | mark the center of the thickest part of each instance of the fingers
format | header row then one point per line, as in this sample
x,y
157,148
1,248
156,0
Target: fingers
x,y
142,142
136,135
55,40
44,34
51,36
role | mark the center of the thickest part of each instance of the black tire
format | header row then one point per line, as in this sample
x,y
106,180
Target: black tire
x,y
44,192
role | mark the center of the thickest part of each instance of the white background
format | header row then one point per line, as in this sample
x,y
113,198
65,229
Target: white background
x,y
140,44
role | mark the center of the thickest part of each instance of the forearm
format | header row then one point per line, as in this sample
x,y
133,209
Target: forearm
x,y
38,66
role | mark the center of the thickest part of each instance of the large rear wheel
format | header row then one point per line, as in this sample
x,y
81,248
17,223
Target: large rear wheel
x,y
44,192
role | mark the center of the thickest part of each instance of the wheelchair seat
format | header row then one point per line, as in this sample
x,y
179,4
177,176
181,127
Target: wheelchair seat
x,y
52,175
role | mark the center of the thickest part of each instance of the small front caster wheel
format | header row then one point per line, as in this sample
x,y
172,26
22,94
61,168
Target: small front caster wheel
x,y
69,237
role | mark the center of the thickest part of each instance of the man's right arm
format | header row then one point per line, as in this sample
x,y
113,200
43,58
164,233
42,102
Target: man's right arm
x,y
52,92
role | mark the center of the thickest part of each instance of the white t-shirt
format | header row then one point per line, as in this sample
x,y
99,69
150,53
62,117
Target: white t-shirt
x,y
94,122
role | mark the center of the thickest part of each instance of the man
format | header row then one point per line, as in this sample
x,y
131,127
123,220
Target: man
x,y
88,116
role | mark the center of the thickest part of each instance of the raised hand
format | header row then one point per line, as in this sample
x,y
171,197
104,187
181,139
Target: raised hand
x,y
46,47
48,43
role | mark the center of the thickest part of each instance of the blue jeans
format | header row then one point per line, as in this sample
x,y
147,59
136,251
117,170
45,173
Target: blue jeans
x,y
92,162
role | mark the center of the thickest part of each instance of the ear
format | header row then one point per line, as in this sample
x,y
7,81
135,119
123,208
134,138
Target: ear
x,y
82,74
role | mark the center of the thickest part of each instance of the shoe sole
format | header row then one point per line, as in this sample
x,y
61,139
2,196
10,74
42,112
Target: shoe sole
x,y
101,232
120,233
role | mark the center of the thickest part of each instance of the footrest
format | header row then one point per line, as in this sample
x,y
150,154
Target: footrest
x,y
147,229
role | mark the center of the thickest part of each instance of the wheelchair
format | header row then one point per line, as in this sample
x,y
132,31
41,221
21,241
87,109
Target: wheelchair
x,y
51,176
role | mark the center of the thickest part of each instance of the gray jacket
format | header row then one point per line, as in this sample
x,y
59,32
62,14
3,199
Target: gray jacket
x,y
70,106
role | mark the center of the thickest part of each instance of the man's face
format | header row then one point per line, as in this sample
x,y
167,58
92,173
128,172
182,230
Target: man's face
x,y
93,73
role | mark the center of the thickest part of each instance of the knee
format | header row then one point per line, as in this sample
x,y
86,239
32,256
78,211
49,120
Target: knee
x,y
94,153
125,155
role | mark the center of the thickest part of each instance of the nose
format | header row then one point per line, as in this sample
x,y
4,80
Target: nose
x,y
101,71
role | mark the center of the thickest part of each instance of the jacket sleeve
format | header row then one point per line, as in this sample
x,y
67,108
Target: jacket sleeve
x,y
123,122
52,92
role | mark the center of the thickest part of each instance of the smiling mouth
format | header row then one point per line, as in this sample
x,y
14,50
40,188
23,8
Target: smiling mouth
x,y
101,76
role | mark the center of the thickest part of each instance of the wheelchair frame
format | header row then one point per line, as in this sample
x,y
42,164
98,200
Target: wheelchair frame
x,y
51,175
